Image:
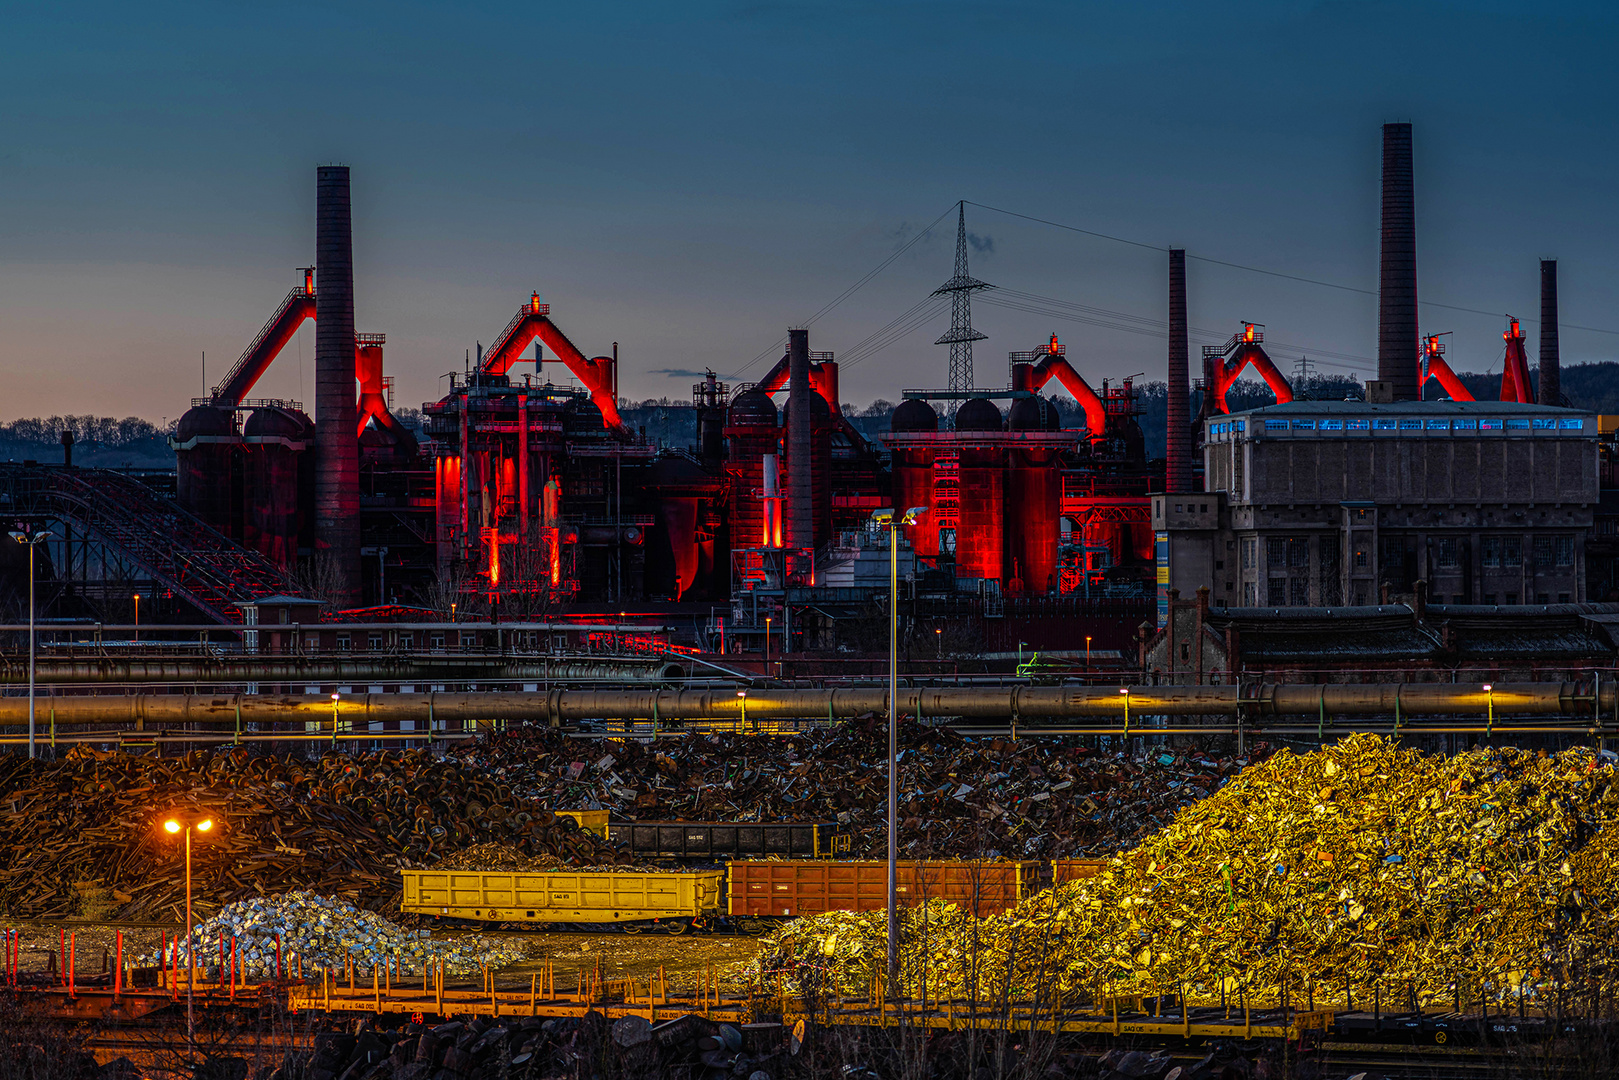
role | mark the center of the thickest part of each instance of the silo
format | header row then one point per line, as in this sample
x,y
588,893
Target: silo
x,y
277,439
752,430
980,529
1033,500
912,472
205,442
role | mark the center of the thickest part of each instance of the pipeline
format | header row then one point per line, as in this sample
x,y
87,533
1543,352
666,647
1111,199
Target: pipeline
x,y
1248,703
326,669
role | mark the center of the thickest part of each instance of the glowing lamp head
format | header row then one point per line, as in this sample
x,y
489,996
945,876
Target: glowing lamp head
x,y
1248,332
1488,688
534,303
1053,348
1125,690
334,697
171,825
205,824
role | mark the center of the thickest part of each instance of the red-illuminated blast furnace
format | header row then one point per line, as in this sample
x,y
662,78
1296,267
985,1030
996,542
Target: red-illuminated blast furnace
x,y
205,443
753,432
1033,501
980,547
913,476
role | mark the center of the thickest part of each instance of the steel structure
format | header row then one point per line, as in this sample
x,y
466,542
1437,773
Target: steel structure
x,y
960,288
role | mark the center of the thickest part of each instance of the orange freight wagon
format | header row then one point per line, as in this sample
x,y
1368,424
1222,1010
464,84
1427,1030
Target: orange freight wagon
x,y
1063,870
810,887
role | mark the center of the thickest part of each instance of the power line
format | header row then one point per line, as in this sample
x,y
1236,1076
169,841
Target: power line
x,y
1277,273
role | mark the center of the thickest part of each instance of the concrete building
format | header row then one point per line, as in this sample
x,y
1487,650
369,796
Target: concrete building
x,y
1345,503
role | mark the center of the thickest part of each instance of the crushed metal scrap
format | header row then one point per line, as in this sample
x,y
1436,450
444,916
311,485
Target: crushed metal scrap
x,y
1484,874
84,834
959,796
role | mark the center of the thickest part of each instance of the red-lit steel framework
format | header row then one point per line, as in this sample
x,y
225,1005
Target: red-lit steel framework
x,y
1222,364
1044,364
533,320
1435,366
1515,366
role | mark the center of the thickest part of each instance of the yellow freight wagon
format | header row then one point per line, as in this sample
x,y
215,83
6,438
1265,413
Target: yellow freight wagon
x,y
591,821
593,897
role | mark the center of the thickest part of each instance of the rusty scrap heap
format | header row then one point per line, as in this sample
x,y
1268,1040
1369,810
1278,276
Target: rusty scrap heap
x,y
959,796
90,826
1484,874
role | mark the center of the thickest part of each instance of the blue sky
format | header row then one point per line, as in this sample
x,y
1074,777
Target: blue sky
x,y
690,180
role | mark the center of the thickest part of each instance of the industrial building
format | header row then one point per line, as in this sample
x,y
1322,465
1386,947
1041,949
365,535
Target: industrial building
x,y
1335,504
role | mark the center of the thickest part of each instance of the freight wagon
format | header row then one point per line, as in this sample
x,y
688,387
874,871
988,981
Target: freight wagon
x,y
747,891
712,841
624,898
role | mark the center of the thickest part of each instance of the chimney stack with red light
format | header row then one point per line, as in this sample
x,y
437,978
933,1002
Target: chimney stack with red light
x,y
1397,346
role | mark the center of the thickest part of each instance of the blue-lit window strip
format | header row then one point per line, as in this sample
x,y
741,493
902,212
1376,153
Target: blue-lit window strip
x,y
1407,423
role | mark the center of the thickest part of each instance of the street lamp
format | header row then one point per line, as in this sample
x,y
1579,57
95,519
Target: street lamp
x,y
23,536
893,520
1087,652
1489,704
173,826
137,616
767,646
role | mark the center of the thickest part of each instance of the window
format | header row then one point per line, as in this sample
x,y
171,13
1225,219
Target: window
x,y
1250,594
1544,423
1571,425
1231,545
1562,598
1332,425
1327,557
374,642
1490,424
1394,555
1512,598
1411,425
1449,558
1219,564
436,642
1299,591
1239,425
1438,425
342,643
1489,598
1543,598
1304,425
1202,508
1360,599
1250,553
1178,508
1360,557
312,642
1565,550
1276,552
407,642
1458,599
1464,424
1518,424
1492,550
1360,425
1277,596
1275,425
469,641
1512,553
1543,554
1383,424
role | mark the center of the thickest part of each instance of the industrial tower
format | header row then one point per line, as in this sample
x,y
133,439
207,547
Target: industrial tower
x,y
961,335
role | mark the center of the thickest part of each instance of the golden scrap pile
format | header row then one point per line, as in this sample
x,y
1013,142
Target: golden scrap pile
x,y
1359,863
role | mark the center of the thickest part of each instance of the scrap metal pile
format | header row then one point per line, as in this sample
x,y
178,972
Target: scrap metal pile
x,y
316,931
959,797
341,826
1483,874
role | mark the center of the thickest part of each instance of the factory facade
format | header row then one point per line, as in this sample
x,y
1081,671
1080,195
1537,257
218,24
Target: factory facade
x,y
1330,504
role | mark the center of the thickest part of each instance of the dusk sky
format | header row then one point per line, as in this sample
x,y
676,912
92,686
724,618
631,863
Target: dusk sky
x,y
690,180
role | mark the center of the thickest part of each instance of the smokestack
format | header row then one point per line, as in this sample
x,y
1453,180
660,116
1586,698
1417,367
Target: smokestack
x,y
1178,466
1397,346
800,504
337,474
1551,374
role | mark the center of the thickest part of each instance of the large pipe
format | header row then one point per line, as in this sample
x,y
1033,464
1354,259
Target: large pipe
x,y
1178,463
800,492
1397,345
326,669
1551,374
337,473
1405,700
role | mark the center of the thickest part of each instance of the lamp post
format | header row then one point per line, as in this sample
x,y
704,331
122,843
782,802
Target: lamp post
x,y
893,520
137,616
1087,653
26,536
173,826
767,646
1489,705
